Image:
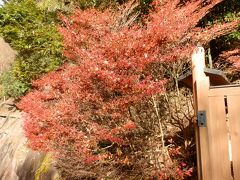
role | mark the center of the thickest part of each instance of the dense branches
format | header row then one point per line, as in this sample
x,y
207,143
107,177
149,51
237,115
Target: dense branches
x,y
88,107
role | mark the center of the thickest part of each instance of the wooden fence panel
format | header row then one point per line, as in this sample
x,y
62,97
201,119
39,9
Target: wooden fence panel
x,y
218,139
233,91
234,118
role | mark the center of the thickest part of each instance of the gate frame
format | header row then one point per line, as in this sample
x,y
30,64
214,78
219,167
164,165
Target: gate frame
x,y
207,168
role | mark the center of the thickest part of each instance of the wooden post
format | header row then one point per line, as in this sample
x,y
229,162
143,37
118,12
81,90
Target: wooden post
x,y
200,91
216,109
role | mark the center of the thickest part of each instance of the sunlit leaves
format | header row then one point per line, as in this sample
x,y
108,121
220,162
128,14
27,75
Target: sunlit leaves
x,y
83,109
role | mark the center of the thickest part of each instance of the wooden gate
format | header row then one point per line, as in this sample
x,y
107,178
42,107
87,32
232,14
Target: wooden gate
x,y
217,128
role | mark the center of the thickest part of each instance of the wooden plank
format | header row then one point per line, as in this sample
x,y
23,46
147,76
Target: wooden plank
x,y
217,78
197,137
232,91
202,89
234,118
225,86
200,92
218,140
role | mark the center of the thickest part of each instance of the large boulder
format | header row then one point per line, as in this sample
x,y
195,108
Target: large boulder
x,y
17,161
7,55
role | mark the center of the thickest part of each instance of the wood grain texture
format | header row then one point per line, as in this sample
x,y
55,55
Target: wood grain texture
x,y
234,118
218,140
200,92
233,91
202,88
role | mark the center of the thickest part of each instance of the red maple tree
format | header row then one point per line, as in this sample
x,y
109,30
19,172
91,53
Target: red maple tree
x,y
82,109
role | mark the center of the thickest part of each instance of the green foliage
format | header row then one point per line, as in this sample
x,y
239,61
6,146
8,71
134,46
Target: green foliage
x,y
11,86
32,32
226,11
50,5
83,4
67,5
44,167
235,35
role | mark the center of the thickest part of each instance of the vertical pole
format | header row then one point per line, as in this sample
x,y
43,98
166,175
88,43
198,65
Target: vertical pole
x,y
200,94
210,58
